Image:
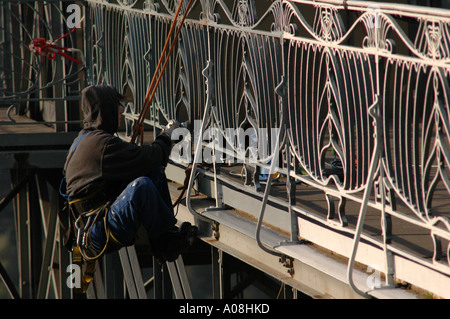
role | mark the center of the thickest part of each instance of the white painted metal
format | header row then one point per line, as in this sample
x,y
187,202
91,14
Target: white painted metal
x,y
343,80
180,282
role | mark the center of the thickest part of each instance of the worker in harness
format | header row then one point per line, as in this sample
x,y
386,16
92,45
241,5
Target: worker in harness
x,y
113,187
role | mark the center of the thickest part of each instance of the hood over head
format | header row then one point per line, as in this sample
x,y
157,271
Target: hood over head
x,y
100,105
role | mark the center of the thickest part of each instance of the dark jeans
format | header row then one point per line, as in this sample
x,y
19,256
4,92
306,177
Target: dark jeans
x,y
145,201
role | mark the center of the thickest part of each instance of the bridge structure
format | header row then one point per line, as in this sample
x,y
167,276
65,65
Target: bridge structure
x,y
320,147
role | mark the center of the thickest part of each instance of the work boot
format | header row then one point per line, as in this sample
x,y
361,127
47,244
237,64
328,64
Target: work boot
x,y
174,242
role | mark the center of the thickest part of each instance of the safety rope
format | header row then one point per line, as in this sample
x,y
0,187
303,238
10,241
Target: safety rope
x,y
139,127
185,185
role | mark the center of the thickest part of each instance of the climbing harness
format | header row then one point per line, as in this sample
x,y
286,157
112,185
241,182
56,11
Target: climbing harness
x,y
82,245
80,215
83,250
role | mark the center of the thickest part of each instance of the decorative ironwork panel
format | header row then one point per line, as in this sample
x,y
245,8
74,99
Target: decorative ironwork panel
x,y
357,92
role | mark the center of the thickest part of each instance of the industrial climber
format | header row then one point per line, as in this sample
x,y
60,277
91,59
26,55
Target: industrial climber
x,y
113,187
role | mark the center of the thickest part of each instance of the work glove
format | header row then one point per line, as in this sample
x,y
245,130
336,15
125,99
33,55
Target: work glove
x,y
164,139
170,127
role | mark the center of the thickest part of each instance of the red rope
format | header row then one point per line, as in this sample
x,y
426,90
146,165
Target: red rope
x,y
65,35
50,49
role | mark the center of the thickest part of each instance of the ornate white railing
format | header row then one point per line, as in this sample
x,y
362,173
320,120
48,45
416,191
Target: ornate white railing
x,y
353,95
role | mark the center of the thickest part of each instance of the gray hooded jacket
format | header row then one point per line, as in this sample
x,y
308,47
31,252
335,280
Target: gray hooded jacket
x,y
101,160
